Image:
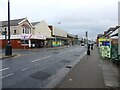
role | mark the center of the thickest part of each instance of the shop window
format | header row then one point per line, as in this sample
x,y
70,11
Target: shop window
x,y
25,42
14,31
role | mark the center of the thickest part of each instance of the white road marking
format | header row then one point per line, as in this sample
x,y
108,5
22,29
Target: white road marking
x,y
24,69
41,58
7,75
85,52
4,69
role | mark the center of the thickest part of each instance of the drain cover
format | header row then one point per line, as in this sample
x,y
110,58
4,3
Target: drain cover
x,y
40,75
68,66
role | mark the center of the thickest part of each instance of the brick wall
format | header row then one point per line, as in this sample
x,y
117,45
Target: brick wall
x,y
16,44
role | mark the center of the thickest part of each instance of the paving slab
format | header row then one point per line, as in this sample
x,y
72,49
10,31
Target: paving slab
x,y
91,72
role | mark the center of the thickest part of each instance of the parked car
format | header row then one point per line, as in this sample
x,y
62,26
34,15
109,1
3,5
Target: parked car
x,y
82,44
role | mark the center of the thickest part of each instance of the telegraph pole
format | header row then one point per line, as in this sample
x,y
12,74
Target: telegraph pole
x,y
8,50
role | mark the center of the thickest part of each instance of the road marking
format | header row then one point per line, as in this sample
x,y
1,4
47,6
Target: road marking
x,y
41,58
24,69
4,69
7,75
85,52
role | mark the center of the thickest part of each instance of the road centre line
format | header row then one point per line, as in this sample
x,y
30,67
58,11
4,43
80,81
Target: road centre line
x,y
7,75
41,58
4,69
24,69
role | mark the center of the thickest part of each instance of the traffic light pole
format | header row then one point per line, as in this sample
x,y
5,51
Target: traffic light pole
x,y
8,50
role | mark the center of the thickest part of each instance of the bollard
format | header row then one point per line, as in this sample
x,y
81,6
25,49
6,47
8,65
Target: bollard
x,y
88,49
91,46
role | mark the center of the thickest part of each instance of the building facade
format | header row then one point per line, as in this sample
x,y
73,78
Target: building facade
x,y
42,30
20,33
60,36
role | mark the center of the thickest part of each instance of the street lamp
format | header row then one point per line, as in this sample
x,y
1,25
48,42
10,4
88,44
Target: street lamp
x,y
8,50
88,45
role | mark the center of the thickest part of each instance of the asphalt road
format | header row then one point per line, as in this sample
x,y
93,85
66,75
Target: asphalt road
x,y
38,68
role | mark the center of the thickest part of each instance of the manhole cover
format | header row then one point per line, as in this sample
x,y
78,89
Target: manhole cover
x,y
65,61
40,75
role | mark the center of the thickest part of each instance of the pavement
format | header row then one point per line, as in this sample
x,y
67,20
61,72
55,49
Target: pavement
x,y
92,72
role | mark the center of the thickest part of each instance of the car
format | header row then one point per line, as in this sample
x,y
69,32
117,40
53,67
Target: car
x,y
82,44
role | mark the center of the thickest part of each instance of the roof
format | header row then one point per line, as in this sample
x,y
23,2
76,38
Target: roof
x,y
71,35
12,22
111,30
50,27
100,35
34,23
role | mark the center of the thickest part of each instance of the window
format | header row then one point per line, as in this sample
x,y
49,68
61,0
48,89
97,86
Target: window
x,y
23,30
26,30
25,42
5,29
14,31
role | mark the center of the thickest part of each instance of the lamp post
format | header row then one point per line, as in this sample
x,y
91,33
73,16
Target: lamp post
x,y
88,45
8,50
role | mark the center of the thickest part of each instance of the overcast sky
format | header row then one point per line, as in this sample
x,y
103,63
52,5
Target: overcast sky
x,y
76,16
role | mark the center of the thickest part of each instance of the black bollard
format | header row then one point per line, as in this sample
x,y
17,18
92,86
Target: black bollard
x,y
91,46
88,49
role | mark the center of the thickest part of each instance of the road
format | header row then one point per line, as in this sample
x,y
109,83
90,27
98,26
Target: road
x,y
37,68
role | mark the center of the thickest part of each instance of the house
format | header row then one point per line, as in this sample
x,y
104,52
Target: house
x,y
60,36
20,33
99,36
41,30
110,31
114,44
72,39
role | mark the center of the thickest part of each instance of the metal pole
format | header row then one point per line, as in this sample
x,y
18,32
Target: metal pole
x,y
88,45
8,21
24,42
8,50
55,41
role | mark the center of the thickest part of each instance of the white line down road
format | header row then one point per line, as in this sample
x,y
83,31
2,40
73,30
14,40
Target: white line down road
x,y
41,58
7,75
4,69
24,69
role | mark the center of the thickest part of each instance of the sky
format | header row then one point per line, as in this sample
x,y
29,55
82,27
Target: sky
x,y
76,16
